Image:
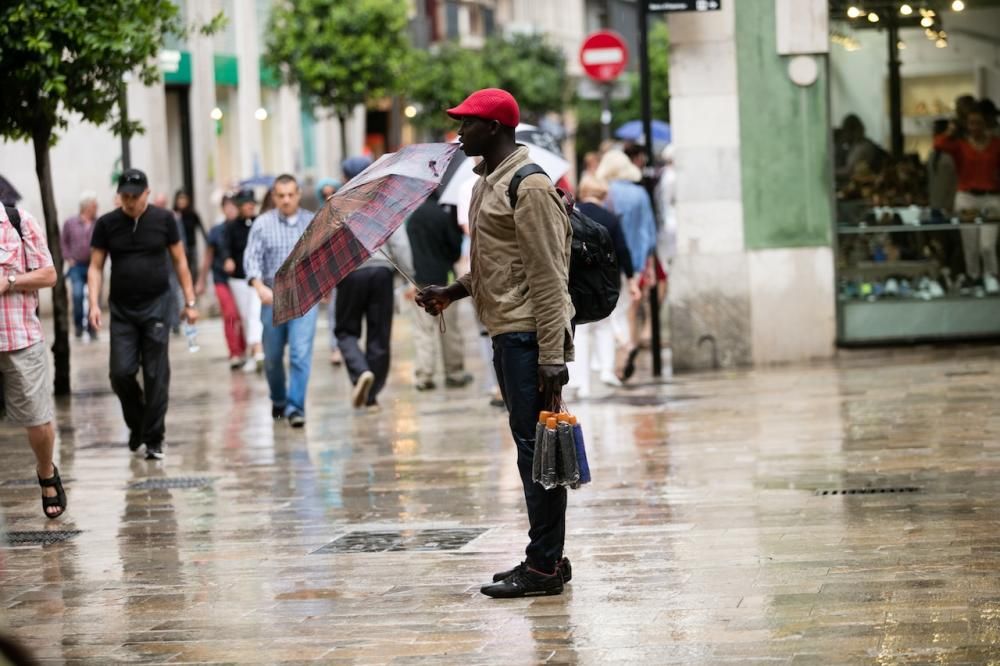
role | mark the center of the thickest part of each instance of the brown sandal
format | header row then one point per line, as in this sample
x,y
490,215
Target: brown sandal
x,y
59,500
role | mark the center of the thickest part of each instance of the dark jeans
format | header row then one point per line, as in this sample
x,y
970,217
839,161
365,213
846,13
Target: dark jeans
x,y
140,336
366,294
515,358
78,277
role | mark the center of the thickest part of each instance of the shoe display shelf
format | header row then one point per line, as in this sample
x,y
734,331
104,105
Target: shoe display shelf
x,y
904,283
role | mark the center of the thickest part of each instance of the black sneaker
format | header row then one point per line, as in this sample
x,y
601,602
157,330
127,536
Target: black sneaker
x,y
154,452
297,419
134,441
525,582
277,413
565,568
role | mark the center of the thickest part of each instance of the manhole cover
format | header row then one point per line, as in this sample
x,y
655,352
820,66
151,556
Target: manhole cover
x,y
15,483
408,540
40,538
868,491
173,482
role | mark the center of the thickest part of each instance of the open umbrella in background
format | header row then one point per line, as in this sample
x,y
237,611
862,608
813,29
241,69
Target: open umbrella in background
x,y
8,193
542,150
632,131
355,222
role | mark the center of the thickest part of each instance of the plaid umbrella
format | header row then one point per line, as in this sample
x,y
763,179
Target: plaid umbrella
x,y
355,222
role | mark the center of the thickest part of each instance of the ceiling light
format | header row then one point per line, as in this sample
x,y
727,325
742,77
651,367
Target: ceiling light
x,y
927,21
260,114
901,45
872,17
906,10
216,114
853,12
410,111
958,5
941,43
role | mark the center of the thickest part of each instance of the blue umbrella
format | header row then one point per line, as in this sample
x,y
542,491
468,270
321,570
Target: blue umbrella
x,y
632,131
258,181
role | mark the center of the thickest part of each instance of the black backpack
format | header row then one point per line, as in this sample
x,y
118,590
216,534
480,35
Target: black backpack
x,y
15,219
594,280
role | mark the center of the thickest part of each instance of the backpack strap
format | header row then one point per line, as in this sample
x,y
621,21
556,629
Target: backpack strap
x,y
15,219
515,181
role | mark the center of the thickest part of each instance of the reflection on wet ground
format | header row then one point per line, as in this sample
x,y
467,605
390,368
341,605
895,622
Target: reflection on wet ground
x,y
706,537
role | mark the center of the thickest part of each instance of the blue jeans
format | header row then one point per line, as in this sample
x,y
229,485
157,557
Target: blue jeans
x,y
78,277
515,358
298,334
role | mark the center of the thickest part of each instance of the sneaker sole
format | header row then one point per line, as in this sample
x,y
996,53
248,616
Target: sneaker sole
x,y
155,456
364,387
540,593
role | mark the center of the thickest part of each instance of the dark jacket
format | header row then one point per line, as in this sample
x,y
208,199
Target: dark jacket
x,y
609,221
234,243
436,243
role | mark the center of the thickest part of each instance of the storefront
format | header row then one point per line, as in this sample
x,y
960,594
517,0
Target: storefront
x,y
911,264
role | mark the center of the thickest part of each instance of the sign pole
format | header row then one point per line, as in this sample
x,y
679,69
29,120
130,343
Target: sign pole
x,y
605,112
647,130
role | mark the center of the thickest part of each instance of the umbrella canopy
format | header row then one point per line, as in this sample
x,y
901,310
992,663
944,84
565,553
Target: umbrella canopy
x,y
355,222
554,165
258,181
632,131
8,193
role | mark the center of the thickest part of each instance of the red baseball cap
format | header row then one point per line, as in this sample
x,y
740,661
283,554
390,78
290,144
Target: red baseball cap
x,y
491,104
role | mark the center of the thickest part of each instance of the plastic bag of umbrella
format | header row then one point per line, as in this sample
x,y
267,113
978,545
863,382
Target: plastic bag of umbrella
x,y
560,452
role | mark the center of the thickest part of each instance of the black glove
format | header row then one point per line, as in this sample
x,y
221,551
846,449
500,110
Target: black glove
x,y
551,379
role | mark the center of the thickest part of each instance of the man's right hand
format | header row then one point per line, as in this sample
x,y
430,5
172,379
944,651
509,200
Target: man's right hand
x,y
95,318
434,299
264,293
199,287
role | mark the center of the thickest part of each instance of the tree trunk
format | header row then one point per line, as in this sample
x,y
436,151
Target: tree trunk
x,y
60,304
343,137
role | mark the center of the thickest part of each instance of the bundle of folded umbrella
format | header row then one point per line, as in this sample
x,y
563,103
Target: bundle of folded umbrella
x,y
560,452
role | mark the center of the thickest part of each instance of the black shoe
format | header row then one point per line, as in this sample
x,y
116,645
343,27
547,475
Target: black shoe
x,y
565,568
277,413
425,385
154,452
525,582
297,420
464,380
134,441
629,368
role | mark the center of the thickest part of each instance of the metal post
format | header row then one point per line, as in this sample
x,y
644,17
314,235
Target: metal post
x,y
123,108
605,111
895,86
647,130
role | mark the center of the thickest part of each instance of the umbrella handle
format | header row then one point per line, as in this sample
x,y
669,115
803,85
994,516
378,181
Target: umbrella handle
x,y
442,326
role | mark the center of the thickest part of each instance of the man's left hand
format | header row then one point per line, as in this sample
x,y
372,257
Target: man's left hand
x,y
551,379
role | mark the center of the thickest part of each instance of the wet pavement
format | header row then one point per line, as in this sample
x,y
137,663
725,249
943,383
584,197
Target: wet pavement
x,y
832,513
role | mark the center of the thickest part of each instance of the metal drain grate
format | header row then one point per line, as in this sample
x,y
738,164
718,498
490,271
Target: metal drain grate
x,y
19,483
40,538
868,491
408,540
173,482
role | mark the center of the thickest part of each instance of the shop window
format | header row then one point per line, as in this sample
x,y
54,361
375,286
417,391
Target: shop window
x,y
451,20
489,22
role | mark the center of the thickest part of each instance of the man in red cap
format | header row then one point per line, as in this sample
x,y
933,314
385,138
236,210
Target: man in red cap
x,y
518,280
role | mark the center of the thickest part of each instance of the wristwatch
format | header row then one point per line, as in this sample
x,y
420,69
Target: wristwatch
x,y
11,279
191,305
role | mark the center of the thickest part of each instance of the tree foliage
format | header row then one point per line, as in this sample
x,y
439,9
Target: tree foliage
x,y
340,53
60,58
588,134
525,65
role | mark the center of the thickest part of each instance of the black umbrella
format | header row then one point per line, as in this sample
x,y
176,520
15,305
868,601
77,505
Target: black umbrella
x,y
8,194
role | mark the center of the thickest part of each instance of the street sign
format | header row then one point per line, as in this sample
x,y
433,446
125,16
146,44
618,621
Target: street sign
x,y
587,89
684,5
604,55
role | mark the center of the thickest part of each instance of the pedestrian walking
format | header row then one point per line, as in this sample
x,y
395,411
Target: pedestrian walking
x,y
436,244
367,295
518,280
271,240
74,239
25,268
138,237
237,233
191,223
325,189
232,325
160,201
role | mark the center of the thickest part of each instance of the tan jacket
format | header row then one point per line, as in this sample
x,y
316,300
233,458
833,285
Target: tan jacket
x,y
520,260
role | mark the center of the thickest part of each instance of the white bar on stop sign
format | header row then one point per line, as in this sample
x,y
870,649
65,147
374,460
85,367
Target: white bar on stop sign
x,y
608,56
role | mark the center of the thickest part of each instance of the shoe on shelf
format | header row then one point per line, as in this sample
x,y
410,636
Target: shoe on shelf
x,y
458,382
134,441
154,452
565,568
525,582
425,385
277,413
362,387
609,379
236,362
297,420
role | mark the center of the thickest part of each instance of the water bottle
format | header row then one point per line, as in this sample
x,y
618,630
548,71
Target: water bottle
x,y
191,333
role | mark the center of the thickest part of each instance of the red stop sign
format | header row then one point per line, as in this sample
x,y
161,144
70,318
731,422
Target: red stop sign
x,y
604,55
